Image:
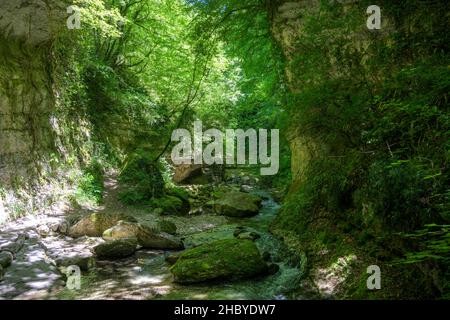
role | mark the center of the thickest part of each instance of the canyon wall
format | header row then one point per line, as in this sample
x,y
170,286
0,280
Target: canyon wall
x,y
347,195
31,137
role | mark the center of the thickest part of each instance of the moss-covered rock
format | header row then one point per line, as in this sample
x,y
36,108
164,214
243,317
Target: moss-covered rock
x,y
94,224
237,204
116,249
171,204
172,258
222,259
167,227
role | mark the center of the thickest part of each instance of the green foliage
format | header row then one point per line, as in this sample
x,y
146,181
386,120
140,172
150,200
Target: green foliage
x,y
371,111
169,204
434,244
98,17
90,186
142,179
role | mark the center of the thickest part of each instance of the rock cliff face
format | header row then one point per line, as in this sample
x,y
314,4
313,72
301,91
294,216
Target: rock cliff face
x,y
30,129
291,23
338,70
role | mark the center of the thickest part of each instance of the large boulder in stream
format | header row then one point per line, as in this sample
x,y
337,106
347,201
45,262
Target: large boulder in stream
x,y
222,259
237,204
122,230
147,236
94,224
116,249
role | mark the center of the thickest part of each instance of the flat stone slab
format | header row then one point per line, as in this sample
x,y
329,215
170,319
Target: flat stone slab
x,y
31,275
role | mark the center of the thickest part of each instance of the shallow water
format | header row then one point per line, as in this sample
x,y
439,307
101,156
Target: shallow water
x,y
146,275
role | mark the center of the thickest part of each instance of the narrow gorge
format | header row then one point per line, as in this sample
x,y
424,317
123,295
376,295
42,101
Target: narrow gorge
x,y
341,161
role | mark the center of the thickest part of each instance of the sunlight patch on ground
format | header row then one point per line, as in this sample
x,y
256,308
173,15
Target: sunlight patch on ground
x,y
3,215
140,280
328,279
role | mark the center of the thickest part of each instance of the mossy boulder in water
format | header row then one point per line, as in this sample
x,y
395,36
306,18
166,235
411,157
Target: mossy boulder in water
x,y
94,224
116,249
222,259
237,204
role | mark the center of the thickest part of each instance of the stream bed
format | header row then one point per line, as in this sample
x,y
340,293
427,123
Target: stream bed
x,y
146,274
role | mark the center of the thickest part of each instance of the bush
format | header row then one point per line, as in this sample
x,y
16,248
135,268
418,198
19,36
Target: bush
x,y
90,187
142,179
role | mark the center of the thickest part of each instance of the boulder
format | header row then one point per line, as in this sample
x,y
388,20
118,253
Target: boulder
x,y
167,227
146,236
266,256
172,258
84,262
122,230
60,227
272,268
184,172
2,273
94,224
246,188
222,259
153,239
170,204
237,204
249,235
116,249
6,259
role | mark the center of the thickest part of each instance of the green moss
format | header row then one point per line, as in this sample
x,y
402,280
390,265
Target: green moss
x,y
169,205
222,259
167,227
141,178
91,187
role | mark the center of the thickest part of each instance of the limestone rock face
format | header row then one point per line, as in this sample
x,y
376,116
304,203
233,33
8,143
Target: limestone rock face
x,y
35,21
222,259
184,172
29,129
